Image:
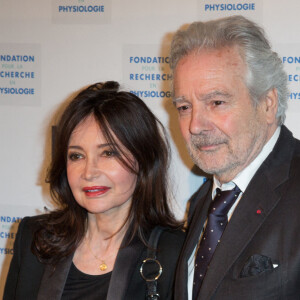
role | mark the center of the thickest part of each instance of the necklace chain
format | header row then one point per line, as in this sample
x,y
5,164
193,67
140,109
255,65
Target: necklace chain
x,y
103,266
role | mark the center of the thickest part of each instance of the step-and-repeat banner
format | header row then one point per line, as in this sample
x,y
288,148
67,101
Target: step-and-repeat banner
x,y
51,49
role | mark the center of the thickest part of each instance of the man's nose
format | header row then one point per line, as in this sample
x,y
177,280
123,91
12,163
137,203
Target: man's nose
x,y
200,121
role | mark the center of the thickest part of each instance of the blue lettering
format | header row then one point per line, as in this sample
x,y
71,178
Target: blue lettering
x,y
17,91
152,94
294,96
291,59
229,6
7,235
12,74
149,60
15,58
6,251
294,77
145,76
81,8
7,219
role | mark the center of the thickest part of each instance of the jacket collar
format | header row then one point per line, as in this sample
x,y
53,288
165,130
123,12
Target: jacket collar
x,y
126,262
53,280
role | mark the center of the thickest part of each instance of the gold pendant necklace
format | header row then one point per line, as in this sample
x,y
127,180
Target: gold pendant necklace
x,y
103,266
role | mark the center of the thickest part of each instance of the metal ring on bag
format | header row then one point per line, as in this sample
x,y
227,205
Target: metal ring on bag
x,y
142,267
153,297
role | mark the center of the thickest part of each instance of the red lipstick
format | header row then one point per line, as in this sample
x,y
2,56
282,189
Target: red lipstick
x,y
94,191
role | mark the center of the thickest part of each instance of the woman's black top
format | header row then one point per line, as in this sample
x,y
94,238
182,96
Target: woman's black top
x,y
84,286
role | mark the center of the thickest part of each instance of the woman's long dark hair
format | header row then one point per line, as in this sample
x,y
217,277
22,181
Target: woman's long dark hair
x,y
125,116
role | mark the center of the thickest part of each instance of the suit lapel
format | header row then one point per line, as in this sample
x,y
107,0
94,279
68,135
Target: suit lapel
x,y
198,218
53,283
126,262
202,200
262,194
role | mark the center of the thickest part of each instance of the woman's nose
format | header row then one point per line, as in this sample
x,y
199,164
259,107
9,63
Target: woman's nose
x,y
91,170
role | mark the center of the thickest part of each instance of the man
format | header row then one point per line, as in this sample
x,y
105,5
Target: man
x,y
230,91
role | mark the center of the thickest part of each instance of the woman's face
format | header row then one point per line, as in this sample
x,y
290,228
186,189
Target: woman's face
x,y
99,182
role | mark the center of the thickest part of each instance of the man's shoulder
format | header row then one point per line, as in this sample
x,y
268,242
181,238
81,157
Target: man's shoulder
x,y
295,164
286,138
285,149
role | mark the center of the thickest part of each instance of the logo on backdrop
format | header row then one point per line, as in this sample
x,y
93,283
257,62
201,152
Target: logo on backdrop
x,y
229,7
8,229
81,11
291,61
20,75
212,9
292,65
147,73
10,218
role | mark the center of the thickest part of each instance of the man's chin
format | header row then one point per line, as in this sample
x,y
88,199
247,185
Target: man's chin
x,y
209,169
208,166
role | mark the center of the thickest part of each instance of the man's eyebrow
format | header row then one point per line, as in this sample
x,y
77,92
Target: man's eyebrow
x,y
178,100
214,94
204,97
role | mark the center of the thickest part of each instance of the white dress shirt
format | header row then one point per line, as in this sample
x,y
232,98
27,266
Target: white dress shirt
x,y
241,180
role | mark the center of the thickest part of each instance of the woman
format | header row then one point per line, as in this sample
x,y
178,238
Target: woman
x,y
108,177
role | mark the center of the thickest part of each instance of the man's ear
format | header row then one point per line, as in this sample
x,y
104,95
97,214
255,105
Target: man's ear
x,y
270,106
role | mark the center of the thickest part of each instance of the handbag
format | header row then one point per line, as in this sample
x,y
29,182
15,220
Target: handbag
x,y
151,268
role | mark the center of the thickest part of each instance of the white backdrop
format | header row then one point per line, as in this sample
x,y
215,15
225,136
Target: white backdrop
x,y
50,49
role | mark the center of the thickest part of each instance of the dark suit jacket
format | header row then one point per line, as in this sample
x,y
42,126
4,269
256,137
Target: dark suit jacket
x,y
263,231
28,279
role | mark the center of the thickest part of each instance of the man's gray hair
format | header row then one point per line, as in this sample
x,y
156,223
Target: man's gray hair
x,y
265,69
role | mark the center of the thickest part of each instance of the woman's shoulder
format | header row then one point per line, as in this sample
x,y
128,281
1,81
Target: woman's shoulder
x,y
29,224
173,234
32,221
172,240
24,236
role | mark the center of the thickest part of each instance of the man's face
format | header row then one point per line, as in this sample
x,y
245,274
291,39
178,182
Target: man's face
x,y
223,129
